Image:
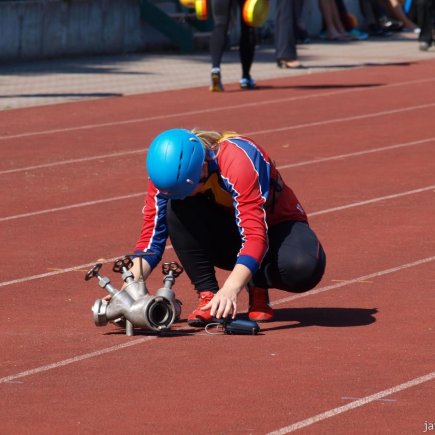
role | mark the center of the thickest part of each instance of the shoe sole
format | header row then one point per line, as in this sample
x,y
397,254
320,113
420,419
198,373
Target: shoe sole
x,y
198,322
262,321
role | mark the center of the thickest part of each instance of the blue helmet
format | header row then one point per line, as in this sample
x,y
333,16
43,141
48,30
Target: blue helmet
x,y
174,162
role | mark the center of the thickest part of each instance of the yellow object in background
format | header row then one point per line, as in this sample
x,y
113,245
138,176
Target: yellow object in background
x,y
201,9
255,12
188,3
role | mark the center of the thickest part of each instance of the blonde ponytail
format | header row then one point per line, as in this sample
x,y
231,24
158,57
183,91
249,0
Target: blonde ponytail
x,y
211,139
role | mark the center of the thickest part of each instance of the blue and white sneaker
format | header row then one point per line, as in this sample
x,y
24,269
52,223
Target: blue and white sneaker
x,y
247,83
358,35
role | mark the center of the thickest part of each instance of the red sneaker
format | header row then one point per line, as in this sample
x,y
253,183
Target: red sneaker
x,y
199,317
259,305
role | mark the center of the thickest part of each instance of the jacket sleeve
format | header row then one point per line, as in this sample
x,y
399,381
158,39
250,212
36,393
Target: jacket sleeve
x,y
154,233
246,175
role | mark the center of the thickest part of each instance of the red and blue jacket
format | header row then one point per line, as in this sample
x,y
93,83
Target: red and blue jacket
x,y
242,178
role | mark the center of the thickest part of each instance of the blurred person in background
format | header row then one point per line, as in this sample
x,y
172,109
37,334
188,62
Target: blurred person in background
x,y
374,17
334,29
349,22
396,18
222,15
425,10
287,31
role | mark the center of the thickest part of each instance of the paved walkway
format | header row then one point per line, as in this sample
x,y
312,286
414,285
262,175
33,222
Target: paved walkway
x,y
53,81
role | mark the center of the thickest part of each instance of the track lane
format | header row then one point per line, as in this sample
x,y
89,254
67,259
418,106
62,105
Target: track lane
x,y
23,190
116,138
302,362
353,250
116,224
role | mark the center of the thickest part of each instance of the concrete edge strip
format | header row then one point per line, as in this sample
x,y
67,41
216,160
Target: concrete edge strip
x,y
344,207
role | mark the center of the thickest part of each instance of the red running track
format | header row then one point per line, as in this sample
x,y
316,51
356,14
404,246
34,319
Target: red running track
x,y
355,355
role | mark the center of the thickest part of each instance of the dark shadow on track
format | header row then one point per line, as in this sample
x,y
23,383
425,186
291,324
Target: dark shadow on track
x,y
296,318
170,333
338,86
178,329
359,65
328,317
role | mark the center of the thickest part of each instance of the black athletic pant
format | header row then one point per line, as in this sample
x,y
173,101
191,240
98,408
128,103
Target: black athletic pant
x,y
425,10
221,17
204,236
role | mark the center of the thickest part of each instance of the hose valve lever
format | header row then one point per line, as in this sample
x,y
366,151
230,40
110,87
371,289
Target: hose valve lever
x,y
103,281
172,268
93,272
122,265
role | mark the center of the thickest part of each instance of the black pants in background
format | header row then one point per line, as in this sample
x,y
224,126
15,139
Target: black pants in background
x,y
221,10
424,11
204,236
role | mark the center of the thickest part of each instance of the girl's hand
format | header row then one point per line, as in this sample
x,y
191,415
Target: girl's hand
x,y
223,303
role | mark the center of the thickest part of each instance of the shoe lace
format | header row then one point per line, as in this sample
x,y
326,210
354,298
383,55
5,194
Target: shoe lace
x,y
204,299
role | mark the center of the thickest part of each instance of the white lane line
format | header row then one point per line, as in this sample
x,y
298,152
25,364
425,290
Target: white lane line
x,y
74,359
358,398
356,404
292,165
53,273
372,201
141,340
338,120
212,110
69,207
354,280
71,161
357,153
82,266
166,116
134,195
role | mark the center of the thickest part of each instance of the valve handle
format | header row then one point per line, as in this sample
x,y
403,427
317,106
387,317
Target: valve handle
x,y
123,262
172,266
93,272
